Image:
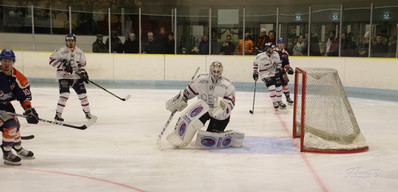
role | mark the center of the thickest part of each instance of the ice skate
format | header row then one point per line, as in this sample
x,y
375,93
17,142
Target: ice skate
x,y
88,115
24,153
58,117
281,105
276,105
289,101
10,158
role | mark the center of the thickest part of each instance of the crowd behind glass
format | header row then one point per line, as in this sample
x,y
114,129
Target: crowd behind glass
x,y
197,34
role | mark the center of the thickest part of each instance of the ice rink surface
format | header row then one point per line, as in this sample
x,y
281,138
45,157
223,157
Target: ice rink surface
x,y
119,152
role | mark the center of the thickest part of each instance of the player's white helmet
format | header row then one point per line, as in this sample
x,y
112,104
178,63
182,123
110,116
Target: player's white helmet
x,y
215,71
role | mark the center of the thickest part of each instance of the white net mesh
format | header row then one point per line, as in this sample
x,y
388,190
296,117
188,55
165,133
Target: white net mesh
x,y
329,122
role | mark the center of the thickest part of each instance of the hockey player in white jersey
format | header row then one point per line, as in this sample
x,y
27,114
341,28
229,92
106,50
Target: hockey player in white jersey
x,y
70,63
216,100
268,64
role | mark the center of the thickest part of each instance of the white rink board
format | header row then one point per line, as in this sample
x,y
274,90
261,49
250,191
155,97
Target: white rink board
x,y
354,72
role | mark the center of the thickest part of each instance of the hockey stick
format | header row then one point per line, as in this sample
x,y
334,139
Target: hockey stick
x,y
83,127
27,137
254,97
159,141
123,99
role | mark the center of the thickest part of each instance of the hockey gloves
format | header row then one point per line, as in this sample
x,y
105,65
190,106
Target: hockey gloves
x,y
67,67
84,76
289,71
31,116
255,75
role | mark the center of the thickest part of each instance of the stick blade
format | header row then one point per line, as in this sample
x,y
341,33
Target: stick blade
x,y
160,146
126,98
90,121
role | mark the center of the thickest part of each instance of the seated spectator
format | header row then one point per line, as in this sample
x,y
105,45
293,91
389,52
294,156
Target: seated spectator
x,y
161,41
151,44
348,47
204,45
170,44
116,43
291,46
99,46
184,50
271,37
379,46
131,45
261,41
301,46
228,47
332,45
248,46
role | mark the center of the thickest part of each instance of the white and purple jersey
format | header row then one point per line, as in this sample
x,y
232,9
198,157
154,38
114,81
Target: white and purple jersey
x,y
63,55
206,90
267,65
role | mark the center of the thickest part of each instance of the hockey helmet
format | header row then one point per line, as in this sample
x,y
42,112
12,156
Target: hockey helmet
x,y
280,40
7,54
268,45
216,70
70,36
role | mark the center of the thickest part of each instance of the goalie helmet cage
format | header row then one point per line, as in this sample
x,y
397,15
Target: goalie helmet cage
x,y
323,118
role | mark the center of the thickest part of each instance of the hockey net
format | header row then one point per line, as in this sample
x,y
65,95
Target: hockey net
x,y
323,118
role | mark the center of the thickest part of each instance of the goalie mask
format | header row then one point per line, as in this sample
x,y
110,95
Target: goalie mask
x,y
215,71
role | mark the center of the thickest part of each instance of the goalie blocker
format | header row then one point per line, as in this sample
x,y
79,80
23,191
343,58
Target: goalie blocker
x,y
189,123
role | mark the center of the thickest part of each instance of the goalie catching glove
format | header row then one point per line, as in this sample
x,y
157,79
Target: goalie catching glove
x,y
84,76
31,116
177,103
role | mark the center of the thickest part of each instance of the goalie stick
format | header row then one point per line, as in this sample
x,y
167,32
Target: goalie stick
x,y
83,127
159,141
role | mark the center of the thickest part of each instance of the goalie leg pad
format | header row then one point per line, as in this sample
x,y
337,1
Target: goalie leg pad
x,y
212,140
188,124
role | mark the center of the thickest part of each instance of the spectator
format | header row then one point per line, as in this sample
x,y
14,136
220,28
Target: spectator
x,y
131,45
116,43
248,46
301,47
261,40
151,44
291,47
379,46
314,46
332,45
161,41
204,45
348,47
99,46
364,49
170,44
228,47
271,37
184,50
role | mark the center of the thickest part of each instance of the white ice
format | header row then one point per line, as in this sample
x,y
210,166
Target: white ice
x,y
119,152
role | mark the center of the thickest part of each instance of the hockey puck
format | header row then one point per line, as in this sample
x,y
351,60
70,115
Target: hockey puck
x,y
250,111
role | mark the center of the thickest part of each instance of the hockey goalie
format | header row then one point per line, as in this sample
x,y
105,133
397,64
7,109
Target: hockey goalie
x,y
216,100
